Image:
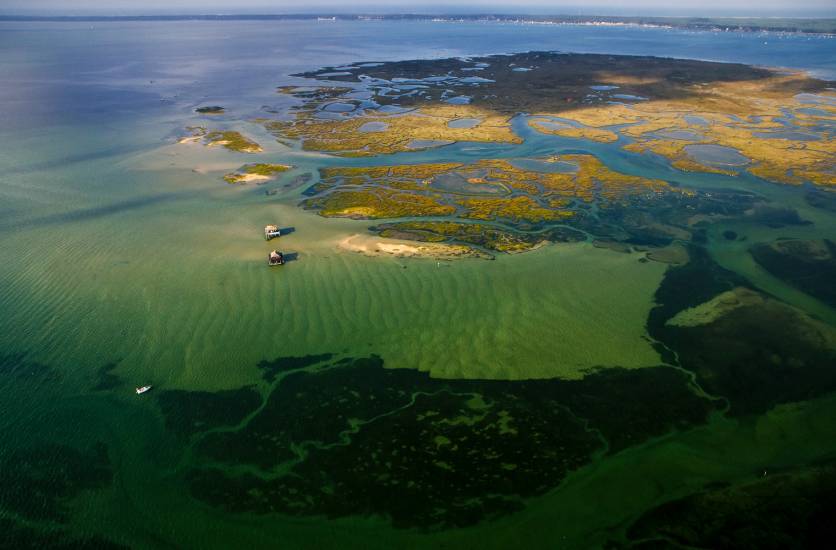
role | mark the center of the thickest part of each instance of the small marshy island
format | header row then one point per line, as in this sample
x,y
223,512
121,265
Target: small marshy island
x,y
258,173
229,139
210,110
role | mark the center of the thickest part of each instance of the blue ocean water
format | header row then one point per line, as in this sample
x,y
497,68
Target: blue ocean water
x,y
73,70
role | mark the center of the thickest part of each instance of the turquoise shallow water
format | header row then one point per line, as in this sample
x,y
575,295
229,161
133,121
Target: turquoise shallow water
x,y
118,247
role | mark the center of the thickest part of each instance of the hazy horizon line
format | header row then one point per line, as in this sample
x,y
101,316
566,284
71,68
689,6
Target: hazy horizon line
x,y
125,14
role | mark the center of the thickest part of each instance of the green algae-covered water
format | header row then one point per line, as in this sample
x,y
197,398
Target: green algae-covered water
x,y
345,400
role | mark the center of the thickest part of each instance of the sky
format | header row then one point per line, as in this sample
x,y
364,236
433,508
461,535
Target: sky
x,y
603,7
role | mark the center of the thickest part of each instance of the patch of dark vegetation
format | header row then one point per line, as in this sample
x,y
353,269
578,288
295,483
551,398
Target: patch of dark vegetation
x,y
311,407
456,470
629,406
19,366
106,379
557,75
819,198
36,483
286,364
756,355
189,412
352,437
777,217
615,246
210,110
16,536
730,235
320,93
790,510
314,189
688,286
559,234
810,266
299,181
659,220
759,356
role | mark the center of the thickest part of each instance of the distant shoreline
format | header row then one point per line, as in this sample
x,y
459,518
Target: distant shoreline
x,y
714,24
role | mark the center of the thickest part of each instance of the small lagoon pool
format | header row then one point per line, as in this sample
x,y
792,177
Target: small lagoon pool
x,y
685,135
465,123
339,107
793,135
373,127
718,156
458,100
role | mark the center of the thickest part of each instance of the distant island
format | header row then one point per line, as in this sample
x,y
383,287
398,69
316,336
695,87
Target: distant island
x,y
696,116
210,110
713,118
714,24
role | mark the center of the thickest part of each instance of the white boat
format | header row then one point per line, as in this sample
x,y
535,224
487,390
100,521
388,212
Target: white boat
x,y
271,232
142,389
275,258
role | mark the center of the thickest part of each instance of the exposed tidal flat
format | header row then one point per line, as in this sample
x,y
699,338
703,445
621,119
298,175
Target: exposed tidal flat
x,y
579,393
